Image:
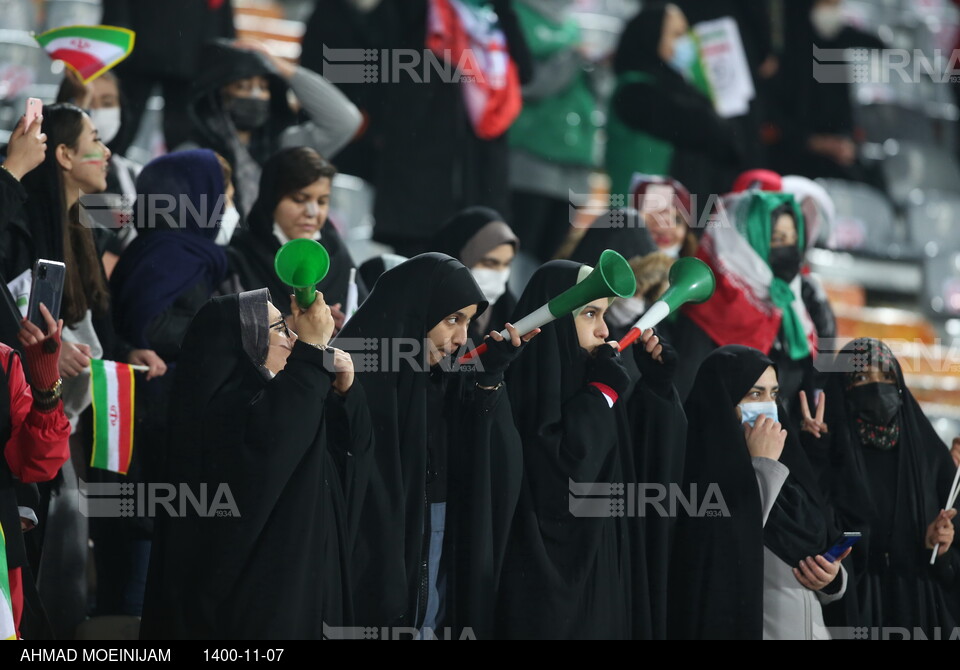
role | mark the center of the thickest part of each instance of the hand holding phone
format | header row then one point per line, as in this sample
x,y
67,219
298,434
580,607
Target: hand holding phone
x,y
47,288
33,113
27,147
841,545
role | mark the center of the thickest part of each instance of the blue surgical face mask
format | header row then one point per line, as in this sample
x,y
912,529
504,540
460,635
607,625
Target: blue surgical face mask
x,y
684,54
751,411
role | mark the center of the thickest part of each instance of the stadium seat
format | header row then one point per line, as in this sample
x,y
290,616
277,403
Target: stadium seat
x,y
932,223
865,221
881,122
941,285
911,169
351,207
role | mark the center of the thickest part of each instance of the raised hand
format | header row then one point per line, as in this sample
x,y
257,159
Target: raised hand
x,y
815,425
765,439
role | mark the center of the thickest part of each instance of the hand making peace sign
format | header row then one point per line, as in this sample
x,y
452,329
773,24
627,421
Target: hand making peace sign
x,y
814,425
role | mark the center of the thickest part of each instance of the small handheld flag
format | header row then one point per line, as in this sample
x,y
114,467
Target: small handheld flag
x,y
112,389
88,50
8,630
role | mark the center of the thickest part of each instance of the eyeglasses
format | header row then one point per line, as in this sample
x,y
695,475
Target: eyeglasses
x,y
281,327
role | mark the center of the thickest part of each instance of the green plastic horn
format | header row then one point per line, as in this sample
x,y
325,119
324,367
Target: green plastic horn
x,y
613,276
302,264
691,280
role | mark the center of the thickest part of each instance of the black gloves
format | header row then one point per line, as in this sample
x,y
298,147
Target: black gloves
x,y
605,367
657,376
495,361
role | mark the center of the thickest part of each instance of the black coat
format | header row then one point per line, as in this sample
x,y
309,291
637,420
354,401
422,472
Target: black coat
x,y
483,463
568,572
293,454
431,164
893,583
801,106
169,35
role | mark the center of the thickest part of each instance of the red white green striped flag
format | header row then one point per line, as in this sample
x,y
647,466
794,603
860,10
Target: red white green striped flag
x,y
8,630
88,50
112,390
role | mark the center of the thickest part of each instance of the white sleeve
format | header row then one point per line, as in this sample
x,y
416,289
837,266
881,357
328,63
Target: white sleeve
x,y
771,476
827,598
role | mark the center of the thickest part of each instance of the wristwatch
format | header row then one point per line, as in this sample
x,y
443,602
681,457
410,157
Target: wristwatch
x,y
49,398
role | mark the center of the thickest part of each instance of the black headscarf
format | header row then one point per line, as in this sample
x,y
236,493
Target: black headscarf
x,y
566,576
716,580
894,584
252,251
551,370
274,567
459,229
223,64
453,239
371,269
620,230
638,49
406,303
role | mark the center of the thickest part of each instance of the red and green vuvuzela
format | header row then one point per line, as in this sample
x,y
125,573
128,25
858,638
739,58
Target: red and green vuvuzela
x,y
88,50
112,389
8,630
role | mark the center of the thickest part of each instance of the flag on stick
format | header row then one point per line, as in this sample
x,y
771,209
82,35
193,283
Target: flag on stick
x,y
112,390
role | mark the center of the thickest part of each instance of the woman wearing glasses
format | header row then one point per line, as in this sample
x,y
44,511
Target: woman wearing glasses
x,y
273,421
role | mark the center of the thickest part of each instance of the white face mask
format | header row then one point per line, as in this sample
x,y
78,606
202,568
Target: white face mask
x,y
672,251
493,283
751,411
828,21
684,55
625,312
282,237
228,224
107,122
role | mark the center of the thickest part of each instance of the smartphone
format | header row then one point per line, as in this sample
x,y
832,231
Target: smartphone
x,y
34,112
841,545
47,288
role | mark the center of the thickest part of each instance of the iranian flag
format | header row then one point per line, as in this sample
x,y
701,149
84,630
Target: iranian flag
x,y
112,389
8,630
88,50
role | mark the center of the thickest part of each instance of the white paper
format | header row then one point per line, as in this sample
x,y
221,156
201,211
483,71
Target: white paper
x,y
726,65
20,290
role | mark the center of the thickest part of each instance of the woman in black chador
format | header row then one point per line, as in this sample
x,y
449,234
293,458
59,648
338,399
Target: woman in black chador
x,y
273,425
448,462
888,475
573,569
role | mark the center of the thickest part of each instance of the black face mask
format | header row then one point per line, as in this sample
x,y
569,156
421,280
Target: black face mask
x,y
876,403
785,262
248,113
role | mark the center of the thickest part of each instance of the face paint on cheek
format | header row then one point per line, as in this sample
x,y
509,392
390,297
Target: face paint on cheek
x,y
95,158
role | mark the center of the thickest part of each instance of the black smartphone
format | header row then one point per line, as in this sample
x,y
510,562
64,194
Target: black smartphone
x,y
47,288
